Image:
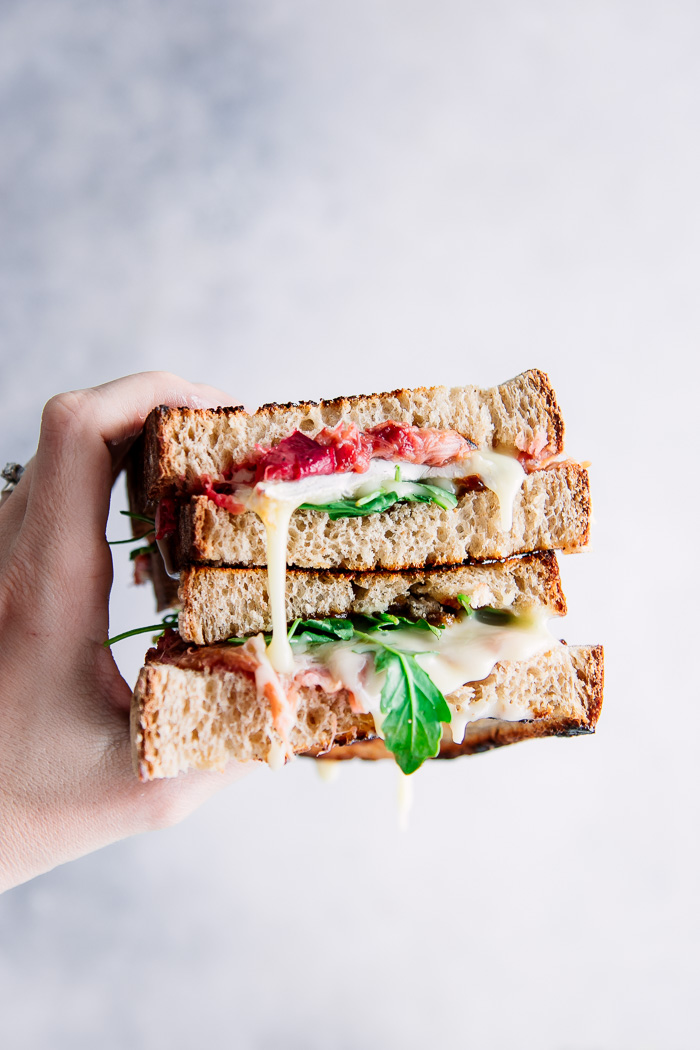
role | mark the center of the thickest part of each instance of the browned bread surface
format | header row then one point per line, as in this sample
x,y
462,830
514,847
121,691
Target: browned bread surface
x,y
221,603
181,444
551,512
185,719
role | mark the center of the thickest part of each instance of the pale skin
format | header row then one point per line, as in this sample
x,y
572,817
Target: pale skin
x,y
67,786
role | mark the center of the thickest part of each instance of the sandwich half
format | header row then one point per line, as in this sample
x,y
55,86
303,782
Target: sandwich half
x,y
424,663
407,479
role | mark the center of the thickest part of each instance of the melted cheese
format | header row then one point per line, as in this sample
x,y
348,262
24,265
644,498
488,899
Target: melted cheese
x,y
502,474
277,755
164,549
466,651
328,770
275,502
275,514
404,799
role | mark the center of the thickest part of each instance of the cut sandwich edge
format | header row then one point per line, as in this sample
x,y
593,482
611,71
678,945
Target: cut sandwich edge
x,y
170,703
515,411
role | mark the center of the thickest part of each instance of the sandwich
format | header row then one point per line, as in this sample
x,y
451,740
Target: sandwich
x,y
362,576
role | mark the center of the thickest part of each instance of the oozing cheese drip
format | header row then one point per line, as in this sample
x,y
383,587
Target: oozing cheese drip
x,y
275,502
502,474
404,799
275,514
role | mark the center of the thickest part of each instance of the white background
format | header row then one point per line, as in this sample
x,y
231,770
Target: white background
x,y
306,199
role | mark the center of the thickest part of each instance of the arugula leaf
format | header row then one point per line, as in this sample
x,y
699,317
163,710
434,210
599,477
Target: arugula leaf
x,y
466,603
379,501
377,621
170,620
133,539
150,549
138,517
436,629
332,629
349,508
414,707
389,622
436,494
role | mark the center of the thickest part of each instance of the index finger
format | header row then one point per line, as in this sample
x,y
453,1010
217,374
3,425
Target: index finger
x,y
80,431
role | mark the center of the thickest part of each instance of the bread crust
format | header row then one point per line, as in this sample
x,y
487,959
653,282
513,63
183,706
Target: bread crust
x,y
219,603
185,719
181,444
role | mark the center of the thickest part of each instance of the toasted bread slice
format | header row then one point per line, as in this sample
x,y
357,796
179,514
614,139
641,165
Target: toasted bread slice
x,y
222,603
184,719
551,512
181,444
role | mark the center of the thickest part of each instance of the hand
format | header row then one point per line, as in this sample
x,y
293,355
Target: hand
x,y
67,786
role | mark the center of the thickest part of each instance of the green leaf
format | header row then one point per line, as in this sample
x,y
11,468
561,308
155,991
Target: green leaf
x,y
436,629
435,494
414,707
170,620
293,627
138,517
150,549
377,621
389,622
332,629
466,603
379,501
349,508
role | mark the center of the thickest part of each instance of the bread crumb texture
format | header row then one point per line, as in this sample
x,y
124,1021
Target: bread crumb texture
x,y
551,512
185,719
219,603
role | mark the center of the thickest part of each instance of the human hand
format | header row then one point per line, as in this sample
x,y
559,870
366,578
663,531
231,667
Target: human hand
x,y
66,784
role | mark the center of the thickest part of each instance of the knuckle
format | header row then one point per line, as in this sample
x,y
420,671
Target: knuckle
x,y
165,806
65,412
163,379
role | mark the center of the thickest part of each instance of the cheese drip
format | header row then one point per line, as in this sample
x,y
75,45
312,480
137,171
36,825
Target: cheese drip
x,y
275,501
275,515
503,475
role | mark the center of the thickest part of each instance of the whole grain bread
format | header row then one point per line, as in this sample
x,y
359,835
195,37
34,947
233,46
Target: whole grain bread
x,y
216,604
552,511
181,444
184,719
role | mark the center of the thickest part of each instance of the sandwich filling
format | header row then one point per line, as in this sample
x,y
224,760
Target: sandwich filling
x,y
407,675
348,472
275,501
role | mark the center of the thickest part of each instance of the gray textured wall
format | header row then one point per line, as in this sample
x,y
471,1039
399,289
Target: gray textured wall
x,y
307,199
